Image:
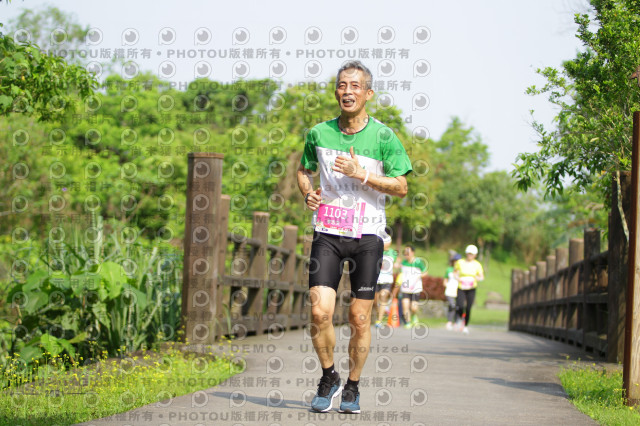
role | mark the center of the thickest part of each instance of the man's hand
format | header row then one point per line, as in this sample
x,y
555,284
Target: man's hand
x,y
314,199
349,166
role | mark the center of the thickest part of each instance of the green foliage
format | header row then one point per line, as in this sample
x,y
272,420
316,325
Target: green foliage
x,y
54,395
458,159
596,99
138,129
92,296
34,83
598,393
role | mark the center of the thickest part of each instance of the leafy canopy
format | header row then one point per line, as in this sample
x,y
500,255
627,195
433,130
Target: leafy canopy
x,y
35,83
596,99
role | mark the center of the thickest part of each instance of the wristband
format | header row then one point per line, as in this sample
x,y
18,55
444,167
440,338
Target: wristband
x,y
306,197
366,177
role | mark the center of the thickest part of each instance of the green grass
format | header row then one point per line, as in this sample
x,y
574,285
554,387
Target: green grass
x,y
479,316
59,396
598,393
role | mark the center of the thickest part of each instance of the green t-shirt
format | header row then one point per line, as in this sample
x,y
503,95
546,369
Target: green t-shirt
x,y
378,150
448,272
411,279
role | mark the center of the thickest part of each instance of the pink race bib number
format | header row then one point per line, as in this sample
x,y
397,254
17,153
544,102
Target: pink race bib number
x,y
466,283
337,220
336,217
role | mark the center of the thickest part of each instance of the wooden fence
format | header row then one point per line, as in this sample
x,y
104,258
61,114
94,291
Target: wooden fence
x,y
577,295
239,284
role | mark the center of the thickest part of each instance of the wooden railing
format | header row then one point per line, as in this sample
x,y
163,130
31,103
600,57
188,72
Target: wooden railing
x,y
565,297
578,296
239,284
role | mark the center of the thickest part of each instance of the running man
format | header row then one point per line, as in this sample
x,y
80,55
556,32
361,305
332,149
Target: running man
x,y
451,291
385,280
413,270
468,271
358,160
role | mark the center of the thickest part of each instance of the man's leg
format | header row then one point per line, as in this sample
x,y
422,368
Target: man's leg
x,y
378,305
471,295
367,259
324,340
406,309
383,302
360,322
461,301
323,336
414,311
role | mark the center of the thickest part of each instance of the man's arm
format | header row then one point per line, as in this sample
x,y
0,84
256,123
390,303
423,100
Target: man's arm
x,y
395,186
304,184
480,274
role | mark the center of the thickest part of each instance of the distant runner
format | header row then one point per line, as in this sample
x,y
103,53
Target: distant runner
x,y
468,272
413,270
451,291
385,280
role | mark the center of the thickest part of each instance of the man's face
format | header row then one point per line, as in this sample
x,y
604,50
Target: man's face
x,y
407,252
351,91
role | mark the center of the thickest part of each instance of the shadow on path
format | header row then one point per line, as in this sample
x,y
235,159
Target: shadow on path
x,y
553,389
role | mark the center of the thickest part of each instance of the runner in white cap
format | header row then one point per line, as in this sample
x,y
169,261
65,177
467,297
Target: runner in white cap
x,y
468,272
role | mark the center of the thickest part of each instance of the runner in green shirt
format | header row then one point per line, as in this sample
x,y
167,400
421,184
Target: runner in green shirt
x,y
413,270
348,167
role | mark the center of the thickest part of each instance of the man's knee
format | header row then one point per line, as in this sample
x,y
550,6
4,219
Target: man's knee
x,y
360,323
321,316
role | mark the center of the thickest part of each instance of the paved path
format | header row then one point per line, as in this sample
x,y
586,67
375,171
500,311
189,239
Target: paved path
x,y
412,377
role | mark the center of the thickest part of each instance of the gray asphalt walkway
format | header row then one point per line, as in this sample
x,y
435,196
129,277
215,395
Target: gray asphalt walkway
x,y
412,377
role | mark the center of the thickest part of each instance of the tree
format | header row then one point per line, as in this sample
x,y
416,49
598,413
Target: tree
x,y
458,160
35,83
596,98
51,29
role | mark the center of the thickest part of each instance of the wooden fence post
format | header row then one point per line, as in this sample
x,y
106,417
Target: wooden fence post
x,y
222,291
576,254
524,298
588,315
562,261
258,270
618,255
512,304
201,242
551,271
304,310
631,363
289,273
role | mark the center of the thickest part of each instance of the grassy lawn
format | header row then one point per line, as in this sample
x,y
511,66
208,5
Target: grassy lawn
x,y
55,396
479,316
598,393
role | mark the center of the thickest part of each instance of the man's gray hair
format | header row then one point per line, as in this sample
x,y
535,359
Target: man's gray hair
x,y
368,77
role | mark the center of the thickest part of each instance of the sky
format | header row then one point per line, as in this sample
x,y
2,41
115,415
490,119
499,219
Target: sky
x,y
434,59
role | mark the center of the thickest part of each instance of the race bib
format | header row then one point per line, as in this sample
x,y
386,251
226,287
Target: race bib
x,y
466,283
336,218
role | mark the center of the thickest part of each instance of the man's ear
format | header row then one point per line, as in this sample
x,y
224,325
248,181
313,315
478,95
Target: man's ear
x,y
370,94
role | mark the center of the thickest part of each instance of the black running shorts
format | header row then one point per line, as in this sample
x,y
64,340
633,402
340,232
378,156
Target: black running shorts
x,y
387,287
328,254
414,297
